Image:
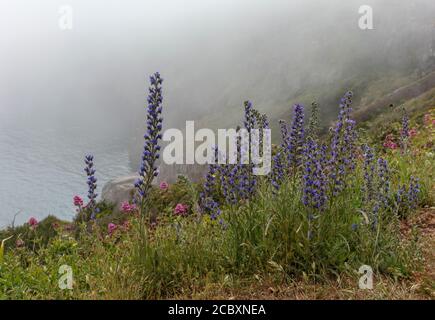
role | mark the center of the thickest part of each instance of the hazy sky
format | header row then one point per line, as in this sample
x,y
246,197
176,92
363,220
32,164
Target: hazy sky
x,y
212,53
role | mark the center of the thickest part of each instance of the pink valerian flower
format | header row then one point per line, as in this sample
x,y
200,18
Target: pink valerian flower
x,y
33,223
181,209
412,132
127,207
428,120
111,228
78,202
164,186
390,145
389,142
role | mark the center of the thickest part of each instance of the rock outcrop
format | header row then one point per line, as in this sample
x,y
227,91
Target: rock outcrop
x,y
118,190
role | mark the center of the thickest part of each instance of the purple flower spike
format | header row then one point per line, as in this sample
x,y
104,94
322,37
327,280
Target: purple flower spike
x,y
92,185
314,178
208,205
342,158
148,169
296,136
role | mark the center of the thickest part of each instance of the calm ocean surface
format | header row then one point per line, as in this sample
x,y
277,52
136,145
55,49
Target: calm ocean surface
x,y
41,166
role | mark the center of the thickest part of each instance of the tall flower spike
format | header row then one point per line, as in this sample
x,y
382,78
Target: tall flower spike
x,y
296,136
383,182
342,158
263,124
207,203
369,174
278,172
314,182
413,191
313,126
285,141
247,180
249,121
314,193
92,185
148,170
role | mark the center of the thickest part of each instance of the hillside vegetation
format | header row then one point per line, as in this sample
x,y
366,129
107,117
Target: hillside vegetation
x,y
359,195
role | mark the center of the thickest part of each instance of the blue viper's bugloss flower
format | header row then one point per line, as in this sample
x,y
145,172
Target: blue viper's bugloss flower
x,y
213,208
285,142
148,170
228,176
284,134
313,125
247,181
263,124
314,178
207,203
210,181
401,196
369,173
278,171
92,185
383,182
233,182
296,135
237,174
376,187
407,198
249,121
342,157
413,191
224,173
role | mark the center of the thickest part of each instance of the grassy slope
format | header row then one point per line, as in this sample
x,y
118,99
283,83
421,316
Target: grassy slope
x,y
368,89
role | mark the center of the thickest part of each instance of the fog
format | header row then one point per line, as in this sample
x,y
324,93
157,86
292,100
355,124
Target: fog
x,y
213,54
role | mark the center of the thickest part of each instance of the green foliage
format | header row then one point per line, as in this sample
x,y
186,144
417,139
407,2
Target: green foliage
x,y
182,191
33,239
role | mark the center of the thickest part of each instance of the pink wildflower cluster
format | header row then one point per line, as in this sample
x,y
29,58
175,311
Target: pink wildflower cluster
x,y
389,142
111,228
78,202
428,120
412,132
33,223
181,209
127,207
164,186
